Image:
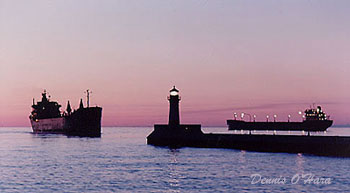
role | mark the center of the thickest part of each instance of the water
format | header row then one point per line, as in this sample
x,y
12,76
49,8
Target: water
x,y
121,161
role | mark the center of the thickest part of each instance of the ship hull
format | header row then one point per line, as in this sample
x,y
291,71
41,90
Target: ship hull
x,y
316,125
52,125
84,122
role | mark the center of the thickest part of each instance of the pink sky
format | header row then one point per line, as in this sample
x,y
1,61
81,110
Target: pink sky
x,y
268,57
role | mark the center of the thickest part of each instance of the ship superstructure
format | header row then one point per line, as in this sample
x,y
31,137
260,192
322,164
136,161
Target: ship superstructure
x,y
46,116
315,114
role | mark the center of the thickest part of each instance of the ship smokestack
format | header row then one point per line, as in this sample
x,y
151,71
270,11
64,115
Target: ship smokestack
x,y
69,109
81,106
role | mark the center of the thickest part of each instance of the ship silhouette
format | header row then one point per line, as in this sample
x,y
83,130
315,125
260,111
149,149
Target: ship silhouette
x,y
315,120
46,117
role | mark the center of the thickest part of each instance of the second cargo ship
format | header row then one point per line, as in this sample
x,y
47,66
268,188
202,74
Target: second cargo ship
x,y
314,119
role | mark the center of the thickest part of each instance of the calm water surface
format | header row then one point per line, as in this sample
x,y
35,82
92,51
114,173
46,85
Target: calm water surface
x,y
121,161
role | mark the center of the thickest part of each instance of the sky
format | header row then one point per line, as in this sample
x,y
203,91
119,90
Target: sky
x,y
258,57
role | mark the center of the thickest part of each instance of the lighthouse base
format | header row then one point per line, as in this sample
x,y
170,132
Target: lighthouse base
x,y
175,135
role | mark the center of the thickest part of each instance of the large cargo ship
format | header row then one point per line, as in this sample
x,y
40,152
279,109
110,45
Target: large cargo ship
x,y
46,117
314,119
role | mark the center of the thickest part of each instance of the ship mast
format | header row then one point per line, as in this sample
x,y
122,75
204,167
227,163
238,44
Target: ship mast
x,y
88,97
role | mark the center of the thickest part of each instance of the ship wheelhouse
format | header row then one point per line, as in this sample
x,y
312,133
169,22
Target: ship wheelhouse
x,y
315,114
45,109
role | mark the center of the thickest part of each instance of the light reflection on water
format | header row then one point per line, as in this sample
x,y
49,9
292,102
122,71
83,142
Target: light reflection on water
x,y
121,161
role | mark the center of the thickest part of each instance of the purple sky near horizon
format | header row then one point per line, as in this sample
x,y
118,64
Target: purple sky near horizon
x,y
258,57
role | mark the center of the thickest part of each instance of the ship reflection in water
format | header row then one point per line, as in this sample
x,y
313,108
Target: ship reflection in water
x,y
46,117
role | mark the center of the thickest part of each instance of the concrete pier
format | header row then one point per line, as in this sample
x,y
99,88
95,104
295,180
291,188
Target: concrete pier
x,y
192,136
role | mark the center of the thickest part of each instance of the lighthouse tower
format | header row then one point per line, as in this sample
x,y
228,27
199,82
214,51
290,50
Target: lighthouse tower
x,y
174,99
174,134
